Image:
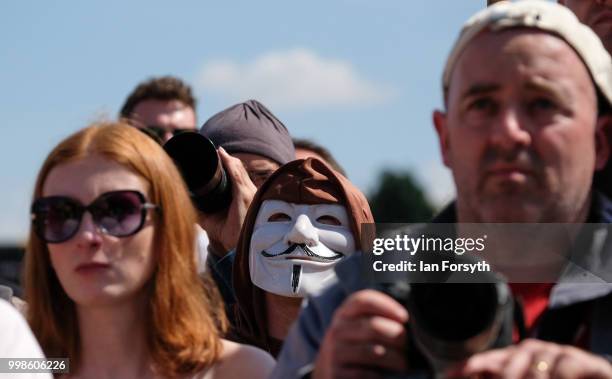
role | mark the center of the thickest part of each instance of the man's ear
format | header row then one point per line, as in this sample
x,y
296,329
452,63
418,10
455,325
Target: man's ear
x,y
603,136
439,120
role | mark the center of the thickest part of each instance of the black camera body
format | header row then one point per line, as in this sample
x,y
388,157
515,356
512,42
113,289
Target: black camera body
x,y
449,322
200,165
452,315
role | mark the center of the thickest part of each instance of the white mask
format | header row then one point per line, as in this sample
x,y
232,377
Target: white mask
x,y
294,247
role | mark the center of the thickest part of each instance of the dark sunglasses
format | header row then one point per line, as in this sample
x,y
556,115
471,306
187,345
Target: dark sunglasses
x,y
160,132
118,213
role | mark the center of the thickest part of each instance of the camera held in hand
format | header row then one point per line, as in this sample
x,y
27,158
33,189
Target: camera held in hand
x,y
452,317
200,165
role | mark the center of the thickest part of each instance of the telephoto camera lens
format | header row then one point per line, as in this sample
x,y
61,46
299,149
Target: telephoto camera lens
x,y
200,165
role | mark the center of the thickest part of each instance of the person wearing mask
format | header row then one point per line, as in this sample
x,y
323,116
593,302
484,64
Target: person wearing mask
x,y
303,220
526,87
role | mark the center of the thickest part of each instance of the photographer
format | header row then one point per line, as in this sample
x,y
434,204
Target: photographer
x,y
525,87
251,144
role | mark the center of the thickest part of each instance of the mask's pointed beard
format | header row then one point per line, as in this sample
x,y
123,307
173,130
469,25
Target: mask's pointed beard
x,y
295,277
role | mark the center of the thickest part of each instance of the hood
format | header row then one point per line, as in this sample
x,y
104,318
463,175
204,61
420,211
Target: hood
x,y
308,181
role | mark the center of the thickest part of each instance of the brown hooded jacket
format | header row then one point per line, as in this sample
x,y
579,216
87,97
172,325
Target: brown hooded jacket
x,y
308,181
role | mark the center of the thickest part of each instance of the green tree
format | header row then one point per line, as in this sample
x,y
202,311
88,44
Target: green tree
x,y
399,198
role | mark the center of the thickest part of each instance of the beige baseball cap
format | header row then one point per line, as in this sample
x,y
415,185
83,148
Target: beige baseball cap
x,y
542,15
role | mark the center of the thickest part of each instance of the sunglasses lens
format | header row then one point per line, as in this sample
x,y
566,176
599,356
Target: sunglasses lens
x,y
155,132
57,218
178,131
119,213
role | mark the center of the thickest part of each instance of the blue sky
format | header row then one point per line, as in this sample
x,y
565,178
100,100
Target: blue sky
x,y
360,77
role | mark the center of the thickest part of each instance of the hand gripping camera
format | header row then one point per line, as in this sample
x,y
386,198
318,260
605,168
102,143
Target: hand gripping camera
x,y
452,315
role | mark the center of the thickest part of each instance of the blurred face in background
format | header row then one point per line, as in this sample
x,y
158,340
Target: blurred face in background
x,y
164,118
519,133
93,267
257,166
597,14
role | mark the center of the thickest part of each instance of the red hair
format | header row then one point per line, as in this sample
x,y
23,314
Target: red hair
x,y
183,323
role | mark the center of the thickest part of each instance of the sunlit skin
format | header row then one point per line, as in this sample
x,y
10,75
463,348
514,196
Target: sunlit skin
x,y
125,264
169,115
521,133
597,14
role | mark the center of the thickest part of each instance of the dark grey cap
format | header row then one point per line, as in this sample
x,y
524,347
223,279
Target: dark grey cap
x,y
250,127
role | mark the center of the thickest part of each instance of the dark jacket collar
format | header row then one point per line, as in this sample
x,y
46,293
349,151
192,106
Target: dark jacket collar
x,y
589,278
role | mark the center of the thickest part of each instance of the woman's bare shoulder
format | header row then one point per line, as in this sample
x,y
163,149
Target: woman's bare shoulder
x,y
242,361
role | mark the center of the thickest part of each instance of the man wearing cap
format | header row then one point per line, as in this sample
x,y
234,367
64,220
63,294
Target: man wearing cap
x,y
525,88
252,135
252,143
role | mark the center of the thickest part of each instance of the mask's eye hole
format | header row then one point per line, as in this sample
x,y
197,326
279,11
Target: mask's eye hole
x,y
329,220
279,217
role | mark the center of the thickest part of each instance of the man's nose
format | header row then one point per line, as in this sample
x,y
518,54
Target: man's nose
x,y
302,232
510,131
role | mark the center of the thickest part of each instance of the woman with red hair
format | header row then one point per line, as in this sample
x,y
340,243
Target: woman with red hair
x,y
110,274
